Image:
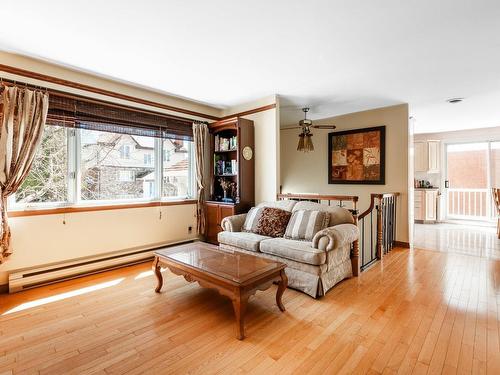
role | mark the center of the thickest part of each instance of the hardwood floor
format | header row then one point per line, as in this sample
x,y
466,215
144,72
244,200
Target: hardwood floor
x,y
417,312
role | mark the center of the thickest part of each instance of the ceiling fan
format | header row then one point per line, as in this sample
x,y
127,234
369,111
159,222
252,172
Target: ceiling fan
x,y
305,126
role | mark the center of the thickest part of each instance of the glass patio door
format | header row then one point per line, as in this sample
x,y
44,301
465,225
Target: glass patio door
x,y
471,170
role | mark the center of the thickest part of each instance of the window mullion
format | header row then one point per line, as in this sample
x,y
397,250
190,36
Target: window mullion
x,y
72,173
78,170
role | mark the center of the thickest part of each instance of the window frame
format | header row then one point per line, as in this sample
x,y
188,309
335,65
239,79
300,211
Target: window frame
x,y
74,203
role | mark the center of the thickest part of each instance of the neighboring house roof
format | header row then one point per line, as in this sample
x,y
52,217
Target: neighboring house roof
x,y
141,141
179,166
144,142
178,169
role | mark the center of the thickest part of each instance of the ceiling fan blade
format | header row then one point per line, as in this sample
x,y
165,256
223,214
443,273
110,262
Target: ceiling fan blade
x,y
324,126
291,128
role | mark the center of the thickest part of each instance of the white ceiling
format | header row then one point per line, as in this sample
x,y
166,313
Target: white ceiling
x,y
335,56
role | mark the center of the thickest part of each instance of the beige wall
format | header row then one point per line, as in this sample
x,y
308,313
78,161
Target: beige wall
x,y
44,239
267,151
39,240
308,172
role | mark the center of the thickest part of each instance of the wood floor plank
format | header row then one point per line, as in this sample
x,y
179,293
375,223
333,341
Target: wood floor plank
x,y
418,311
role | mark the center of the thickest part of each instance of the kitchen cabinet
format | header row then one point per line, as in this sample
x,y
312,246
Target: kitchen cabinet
x,y
426,205
427,156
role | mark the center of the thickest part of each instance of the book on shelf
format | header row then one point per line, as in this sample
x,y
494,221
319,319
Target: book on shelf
x,y
225,167
226,144
217,143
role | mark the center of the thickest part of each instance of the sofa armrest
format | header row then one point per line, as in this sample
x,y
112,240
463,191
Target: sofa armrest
x,y
334,237
233,223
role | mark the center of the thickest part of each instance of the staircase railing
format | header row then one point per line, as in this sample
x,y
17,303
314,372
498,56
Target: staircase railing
x,y
377,227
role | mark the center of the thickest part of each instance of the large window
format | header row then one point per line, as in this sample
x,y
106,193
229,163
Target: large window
x,y
84,164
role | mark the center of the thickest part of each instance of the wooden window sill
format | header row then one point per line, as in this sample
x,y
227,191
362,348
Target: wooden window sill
x,y
76,209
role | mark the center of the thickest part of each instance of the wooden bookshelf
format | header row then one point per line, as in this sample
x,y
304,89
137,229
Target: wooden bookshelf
x,y
229,138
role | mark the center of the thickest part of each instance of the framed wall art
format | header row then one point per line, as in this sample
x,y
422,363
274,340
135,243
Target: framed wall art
x,y
357,156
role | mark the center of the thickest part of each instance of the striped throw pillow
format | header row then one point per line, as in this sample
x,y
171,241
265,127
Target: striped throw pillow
x,y
304,224
252,219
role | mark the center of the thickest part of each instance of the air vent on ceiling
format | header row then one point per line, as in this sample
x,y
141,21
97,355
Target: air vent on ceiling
x,y
455,100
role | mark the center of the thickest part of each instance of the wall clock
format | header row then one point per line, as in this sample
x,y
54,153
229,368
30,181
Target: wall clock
x,y
247,153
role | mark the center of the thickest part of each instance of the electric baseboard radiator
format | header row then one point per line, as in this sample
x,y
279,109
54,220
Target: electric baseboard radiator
x,y
37,276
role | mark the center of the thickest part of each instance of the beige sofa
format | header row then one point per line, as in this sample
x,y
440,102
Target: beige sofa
x,y
312,267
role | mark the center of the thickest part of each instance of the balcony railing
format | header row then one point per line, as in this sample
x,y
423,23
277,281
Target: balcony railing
x,y
473,204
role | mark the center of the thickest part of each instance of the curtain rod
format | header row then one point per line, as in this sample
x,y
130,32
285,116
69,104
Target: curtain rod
x,y
11,82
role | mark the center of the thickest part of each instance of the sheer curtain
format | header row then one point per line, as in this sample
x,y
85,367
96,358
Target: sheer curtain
x,y
23,115
201,152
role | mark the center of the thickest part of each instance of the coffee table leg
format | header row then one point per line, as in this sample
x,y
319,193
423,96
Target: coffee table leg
x,y
159,276
240,306
281,289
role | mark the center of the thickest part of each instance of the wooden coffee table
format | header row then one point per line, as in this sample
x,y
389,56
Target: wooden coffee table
x,y
235,275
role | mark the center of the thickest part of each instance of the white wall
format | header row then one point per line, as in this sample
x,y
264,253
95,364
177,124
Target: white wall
x,y
266,153
308,172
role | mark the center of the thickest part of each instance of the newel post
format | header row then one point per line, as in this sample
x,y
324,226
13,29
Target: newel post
x,y
355,248
380,251
355,258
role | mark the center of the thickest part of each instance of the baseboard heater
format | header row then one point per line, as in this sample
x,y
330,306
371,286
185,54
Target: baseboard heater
x,y
28,278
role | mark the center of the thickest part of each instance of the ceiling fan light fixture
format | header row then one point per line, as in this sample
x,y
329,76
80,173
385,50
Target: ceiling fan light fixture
x,y
308,145
305,141
300,145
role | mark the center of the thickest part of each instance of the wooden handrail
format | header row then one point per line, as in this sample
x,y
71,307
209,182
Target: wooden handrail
x,y
352,198
373,197
320,197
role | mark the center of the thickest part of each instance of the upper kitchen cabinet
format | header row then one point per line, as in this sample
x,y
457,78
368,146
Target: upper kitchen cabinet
x,y
427,156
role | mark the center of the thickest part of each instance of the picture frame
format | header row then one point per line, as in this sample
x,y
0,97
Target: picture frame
x,y
357,156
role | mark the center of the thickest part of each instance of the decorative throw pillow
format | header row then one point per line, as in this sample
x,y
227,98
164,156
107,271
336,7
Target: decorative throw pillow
x,y
252,219
305,224
273,222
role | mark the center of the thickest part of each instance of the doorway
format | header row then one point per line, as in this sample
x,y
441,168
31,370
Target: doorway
x,y
471,170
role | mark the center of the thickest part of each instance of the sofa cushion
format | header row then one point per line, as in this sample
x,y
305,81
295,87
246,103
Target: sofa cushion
x,y
245,240
273,222
338,215
299,251
286,205
303,224
252,219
